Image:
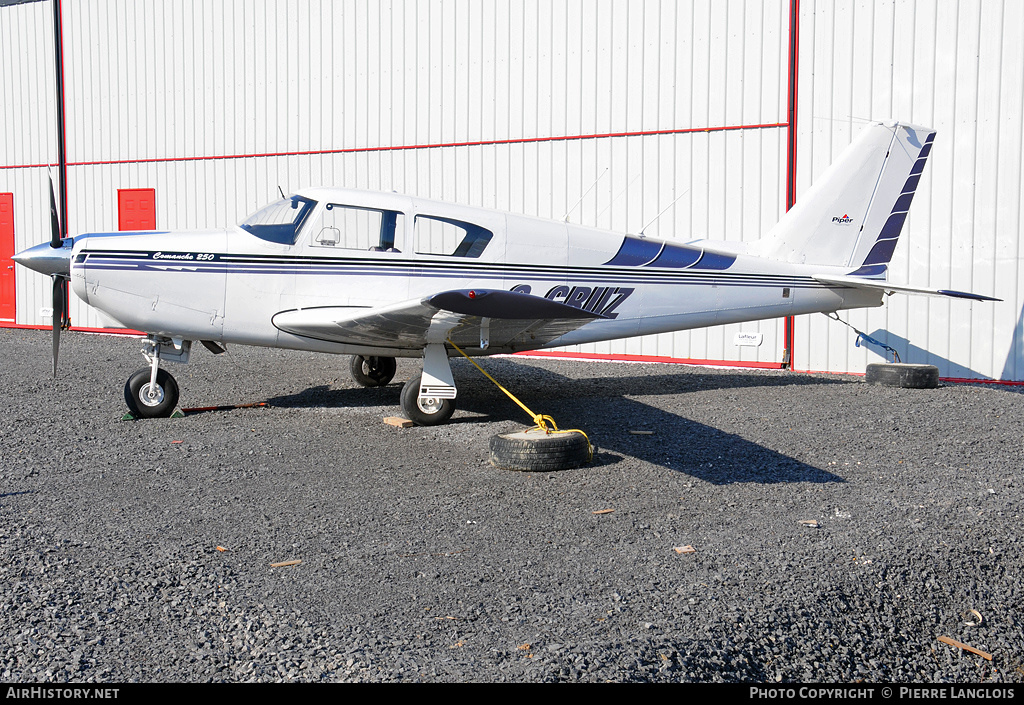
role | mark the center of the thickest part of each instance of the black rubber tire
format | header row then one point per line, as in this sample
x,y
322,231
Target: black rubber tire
x,y
138,404
420,416
372,371
902,374
535,450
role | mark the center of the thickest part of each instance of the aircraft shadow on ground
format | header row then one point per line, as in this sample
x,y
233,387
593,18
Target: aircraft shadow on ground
x,y
947,368
323,396
677,379
675,442
601,406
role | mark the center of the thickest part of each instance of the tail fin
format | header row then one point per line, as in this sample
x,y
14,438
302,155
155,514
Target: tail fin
x,y
852,216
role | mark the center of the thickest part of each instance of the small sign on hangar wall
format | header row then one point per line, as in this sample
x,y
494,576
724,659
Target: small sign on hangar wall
x,y
753,339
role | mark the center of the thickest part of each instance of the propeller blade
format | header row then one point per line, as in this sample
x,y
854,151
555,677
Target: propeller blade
x,y
59,306
55,237
65,319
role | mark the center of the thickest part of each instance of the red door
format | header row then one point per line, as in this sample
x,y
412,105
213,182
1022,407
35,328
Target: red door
x,y
136,209
6,252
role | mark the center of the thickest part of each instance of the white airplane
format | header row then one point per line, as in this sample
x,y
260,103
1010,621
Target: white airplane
x,y
381,275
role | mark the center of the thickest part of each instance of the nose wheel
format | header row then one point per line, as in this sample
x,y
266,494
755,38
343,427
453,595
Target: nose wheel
x,y
152,392
151,399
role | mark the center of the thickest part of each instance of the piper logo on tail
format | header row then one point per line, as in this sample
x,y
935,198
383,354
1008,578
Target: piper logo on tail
x,y
844,220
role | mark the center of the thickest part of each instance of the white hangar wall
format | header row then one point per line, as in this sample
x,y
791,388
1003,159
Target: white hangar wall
x,y
493,104
523,106
957,66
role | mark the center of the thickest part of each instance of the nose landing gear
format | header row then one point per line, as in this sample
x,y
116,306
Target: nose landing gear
x,y
152,392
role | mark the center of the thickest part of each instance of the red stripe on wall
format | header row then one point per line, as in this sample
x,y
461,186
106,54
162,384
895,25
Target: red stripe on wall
x,y
788,340
611,357
405,147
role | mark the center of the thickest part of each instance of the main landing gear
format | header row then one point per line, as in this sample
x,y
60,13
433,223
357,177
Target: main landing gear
x,y
152,392
372,371
427,399
425,411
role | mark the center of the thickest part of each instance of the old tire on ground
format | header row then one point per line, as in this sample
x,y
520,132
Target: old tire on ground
x,y
535,450
373,371
430,411
901,374
161,404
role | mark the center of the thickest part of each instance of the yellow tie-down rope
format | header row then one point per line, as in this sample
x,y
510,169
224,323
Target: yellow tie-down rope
x,y
541,420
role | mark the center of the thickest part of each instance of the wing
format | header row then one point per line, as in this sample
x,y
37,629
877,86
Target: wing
x,y
470,318
889,288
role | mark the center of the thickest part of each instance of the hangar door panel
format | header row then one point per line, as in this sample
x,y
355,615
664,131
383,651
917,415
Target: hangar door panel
x,y
6,253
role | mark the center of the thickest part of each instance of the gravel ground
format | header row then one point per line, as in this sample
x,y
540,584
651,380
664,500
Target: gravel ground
x,y
422,562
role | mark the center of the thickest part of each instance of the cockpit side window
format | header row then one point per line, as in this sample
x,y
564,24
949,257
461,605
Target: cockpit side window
x,y
451,238
280,221
354,228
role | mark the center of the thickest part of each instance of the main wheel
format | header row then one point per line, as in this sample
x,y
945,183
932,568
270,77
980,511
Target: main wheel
x,y
373,371
429,411
153,402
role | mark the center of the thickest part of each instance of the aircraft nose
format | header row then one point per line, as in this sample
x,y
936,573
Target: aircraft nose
x,y
48,260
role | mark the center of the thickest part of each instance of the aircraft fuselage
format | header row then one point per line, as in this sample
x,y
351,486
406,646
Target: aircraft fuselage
x,y
228,285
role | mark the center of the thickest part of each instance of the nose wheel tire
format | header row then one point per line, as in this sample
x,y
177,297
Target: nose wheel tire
x,y
151,402
429,411
372,371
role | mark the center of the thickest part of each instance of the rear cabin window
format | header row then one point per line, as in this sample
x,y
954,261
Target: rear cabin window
x,y
352,228
449,238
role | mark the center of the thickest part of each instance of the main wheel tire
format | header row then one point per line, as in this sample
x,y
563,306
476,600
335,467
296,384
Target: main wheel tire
x,y
431,411
372,371
535,450
160,404
902,374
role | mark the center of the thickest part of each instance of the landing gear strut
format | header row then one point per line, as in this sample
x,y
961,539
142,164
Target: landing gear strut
x,y
429,399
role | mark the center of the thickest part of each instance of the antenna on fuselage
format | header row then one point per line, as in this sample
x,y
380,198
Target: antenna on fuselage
x,y
610,203
566,216
663,211
281,190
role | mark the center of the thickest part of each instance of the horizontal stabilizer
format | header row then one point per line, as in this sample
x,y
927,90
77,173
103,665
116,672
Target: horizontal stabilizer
x,y
890,288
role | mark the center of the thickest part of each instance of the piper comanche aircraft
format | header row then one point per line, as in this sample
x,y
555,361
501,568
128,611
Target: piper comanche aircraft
x,y
381,275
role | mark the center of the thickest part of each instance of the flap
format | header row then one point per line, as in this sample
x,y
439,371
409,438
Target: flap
x,y
504,319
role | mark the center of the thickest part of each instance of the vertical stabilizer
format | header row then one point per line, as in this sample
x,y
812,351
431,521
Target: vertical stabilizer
x,y
853,214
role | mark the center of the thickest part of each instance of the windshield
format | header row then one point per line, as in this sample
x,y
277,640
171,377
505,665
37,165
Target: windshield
x,y
279,222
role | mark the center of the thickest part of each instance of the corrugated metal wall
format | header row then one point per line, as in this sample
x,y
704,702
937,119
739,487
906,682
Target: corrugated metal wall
x,y
28,137
957,66
153,86
500,104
